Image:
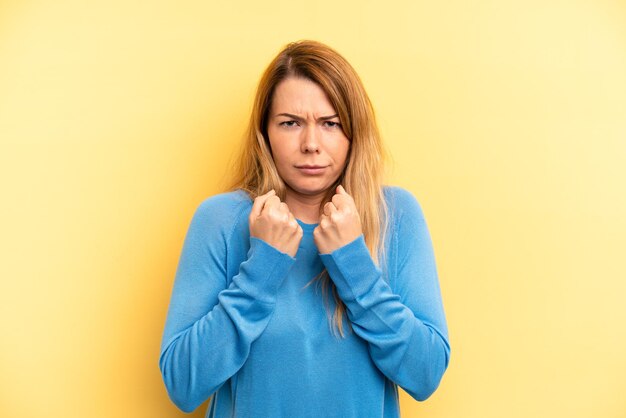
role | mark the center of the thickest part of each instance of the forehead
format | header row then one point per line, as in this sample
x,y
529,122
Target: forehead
x,y
300,95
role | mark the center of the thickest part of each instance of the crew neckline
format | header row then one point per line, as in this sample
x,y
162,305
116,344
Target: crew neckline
x,y
307,227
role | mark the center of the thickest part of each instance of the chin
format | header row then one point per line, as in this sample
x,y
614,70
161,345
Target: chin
x,y
308,190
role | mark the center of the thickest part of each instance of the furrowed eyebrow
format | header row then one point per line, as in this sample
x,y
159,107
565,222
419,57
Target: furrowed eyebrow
x,y
296,117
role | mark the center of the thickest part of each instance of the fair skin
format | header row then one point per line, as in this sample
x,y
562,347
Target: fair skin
x,y
310,152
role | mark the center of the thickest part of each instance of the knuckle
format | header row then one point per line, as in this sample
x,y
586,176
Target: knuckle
x,y
273,218
277,217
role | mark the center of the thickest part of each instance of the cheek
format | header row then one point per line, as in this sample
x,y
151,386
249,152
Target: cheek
x,y
341,153
279,151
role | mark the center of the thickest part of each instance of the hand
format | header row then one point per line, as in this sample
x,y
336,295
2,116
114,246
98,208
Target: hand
x,y
339,225
271,221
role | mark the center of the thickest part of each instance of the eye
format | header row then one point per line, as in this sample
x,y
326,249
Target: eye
x,y
288,123
332,124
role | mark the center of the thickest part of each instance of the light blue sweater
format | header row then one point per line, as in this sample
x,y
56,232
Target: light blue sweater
x,y
242,327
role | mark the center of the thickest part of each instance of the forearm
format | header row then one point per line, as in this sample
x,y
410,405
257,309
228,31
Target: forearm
x,y
406,346
199,356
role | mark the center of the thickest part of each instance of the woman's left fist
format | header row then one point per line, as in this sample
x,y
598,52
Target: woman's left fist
x,y
339,225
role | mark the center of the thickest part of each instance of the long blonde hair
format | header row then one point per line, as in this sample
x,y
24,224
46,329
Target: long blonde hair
x,y
362,177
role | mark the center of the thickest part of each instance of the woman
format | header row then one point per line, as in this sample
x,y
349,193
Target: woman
x,y
252,320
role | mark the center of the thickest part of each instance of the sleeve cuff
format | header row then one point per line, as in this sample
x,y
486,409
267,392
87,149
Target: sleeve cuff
x,y
264,271
352,269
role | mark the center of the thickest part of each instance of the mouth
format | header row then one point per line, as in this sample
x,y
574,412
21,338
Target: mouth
x,y
311,169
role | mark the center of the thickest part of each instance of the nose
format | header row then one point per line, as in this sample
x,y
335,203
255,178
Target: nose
x,y
310,142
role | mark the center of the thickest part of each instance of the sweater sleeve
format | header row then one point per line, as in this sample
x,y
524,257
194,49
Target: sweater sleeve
x,y
405,327
210,326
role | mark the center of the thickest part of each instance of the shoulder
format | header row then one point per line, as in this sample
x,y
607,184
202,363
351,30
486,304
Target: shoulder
x,y
401,202
225,202
222,211
406,225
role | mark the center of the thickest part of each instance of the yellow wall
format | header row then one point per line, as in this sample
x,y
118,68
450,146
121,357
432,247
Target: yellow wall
x,y
507,119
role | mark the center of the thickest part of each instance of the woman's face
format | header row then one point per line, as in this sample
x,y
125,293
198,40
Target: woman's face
x,y
308,144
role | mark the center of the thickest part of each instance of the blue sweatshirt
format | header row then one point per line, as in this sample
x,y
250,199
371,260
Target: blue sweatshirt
x,y
242,325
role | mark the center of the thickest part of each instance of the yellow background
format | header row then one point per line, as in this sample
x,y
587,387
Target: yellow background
x,y
506,119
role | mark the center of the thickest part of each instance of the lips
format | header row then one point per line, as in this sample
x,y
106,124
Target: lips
x,y
311,169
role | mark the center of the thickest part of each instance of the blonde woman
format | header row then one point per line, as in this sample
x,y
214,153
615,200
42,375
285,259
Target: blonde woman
x,y
309,289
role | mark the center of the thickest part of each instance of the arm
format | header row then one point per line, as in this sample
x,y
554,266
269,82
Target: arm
x,y
405,327
210,326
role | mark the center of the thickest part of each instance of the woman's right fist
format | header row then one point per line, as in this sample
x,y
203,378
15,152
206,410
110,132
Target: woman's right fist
x,y
271,221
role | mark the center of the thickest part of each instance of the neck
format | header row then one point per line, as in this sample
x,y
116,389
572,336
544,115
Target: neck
x,y
304,207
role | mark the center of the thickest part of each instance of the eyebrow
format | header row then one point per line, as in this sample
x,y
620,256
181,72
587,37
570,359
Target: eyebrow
x,y
296,117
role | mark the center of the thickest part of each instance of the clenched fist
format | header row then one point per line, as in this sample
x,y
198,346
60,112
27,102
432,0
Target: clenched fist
x,y
271,221
339,225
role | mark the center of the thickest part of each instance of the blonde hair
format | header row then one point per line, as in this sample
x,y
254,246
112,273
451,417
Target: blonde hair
x,y
362,177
